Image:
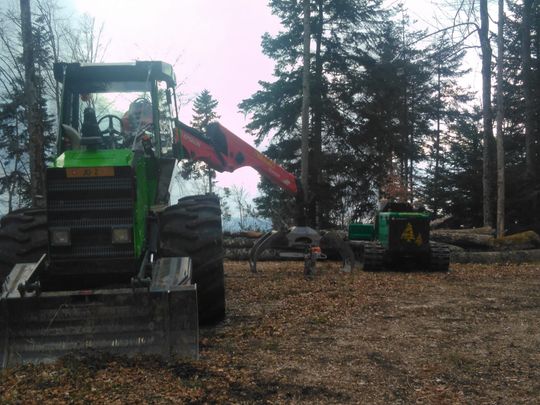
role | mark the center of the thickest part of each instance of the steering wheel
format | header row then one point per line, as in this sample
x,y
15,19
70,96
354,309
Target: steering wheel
x,y
141,100
111,130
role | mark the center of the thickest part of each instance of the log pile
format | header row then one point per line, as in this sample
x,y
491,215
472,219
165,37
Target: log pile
x,y
474,238
236,246
483,239
475,245
479,245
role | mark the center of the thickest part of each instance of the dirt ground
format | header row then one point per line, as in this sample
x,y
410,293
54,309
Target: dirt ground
x,y
471,336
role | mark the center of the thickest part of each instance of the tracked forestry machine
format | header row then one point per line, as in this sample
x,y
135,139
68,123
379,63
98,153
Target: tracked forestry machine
x,y
108,264
399,237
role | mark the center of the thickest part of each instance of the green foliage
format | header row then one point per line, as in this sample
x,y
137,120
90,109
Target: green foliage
x,y
339,29
459,185
450,128
204,112
522,190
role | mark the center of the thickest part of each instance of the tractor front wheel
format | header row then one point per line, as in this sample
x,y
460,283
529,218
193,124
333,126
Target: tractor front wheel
x,y
23,238
192,227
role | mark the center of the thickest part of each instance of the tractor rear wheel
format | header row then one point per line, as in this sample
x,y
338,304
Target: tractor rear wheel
x,y
192,227
23,238
374,255
439,257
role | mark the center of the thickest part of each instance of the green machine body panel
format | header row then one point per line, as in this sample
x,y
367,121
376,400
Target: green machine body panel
x,y
94,158
397,232
359,231
144,172
403,231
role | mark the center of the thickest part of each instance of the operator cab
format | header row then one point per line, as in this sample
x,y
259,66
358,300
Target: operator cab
x,y
117,106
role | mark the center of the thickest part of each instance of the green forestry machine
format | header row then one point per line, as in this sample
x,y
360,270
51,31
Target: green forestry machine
x,y
399,237
109,265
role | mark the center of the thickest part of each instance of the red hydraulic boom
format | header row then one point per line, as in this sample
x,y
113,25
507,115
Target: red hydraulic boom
x,y
223,151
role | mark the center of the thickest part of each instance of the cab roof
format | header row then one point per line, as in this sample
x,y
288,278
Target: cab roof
x,y
139,71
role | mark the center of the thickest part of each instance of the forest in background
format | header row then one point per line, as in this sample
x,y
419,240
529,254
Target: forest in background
x,y
390,115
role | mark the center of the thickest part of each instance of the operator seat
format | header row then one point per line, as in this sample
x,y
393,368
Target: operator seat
x,y
90,132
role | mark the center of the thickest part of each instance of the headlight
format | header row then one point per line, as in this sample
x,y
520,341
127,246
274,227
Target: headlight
x,y
121,235
60,237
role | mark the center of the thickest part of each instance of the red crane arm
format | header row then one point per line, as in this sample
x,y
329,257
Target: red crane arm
x,y
223,151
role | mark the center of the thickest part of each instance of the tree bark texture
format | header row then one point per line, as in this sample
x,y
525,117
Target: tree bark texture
x,y
487,117
500,117
306,103
467,240
437,144
35,130
531,150
480,239
316,213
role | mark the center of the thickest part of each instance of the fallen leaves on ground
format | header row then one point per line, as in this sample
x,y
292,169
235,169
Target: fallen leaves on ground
x,y
469,336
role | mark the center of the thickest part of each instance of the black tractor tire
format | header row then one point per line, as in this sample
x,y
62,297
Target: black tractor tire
x,y
439,257
374,256
23,238
192,227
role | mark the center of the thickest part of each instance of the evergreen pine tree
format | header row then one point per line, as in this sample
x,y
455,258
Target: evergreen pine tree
x,y
340,32
204,112
522,112
461,179
450,103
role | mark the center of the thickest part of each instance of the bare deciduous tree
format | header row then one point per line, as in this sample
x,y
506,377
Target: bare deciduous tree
x,y
35,130
56,40
245,211
85,43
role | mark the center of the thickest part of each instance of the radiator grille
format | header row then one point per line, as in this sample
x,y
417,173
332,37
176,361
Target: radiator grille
x,y
90,207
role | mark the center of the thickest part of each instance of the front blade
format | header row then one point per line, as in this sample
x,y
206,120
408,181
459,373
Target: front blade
x,y
40,329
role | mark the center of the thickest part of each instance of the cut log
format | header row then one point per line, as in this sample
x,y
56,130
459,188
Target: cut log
x,y
485,230
238,242
444,222
463,238
482,239
519,241
243,254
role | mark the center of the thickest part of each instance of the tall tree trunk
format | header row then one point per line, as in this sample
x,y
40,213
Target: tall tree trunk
x,y
35,131
530,148
317,216
487,116
437,145
500,117
411,148
405,133
306,104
